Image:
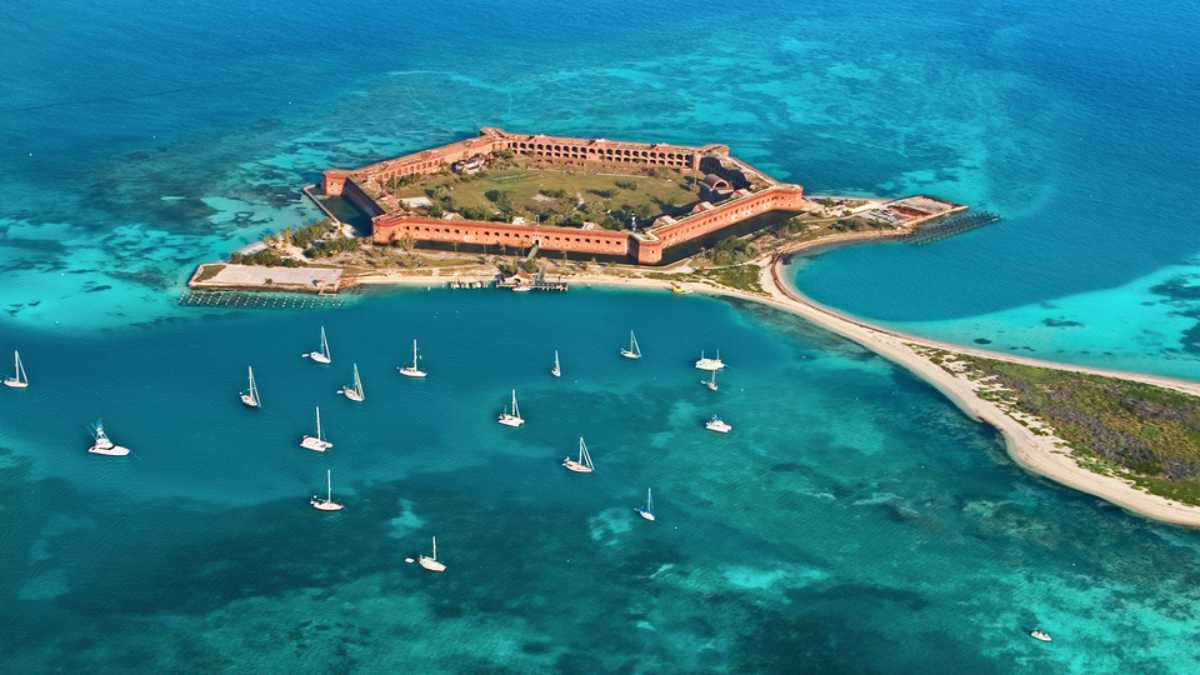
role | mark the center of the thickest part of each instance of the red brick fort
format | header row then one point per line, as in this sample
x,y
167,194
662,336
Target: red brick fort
x,y
363,187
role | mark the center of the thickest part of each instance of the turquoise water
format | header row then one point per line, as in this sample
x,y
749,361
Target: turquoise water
x,y
853,522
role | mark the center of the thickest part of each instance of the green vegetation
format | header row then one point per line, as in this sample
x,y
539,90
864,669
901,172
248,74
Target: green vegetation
x,y
731,250
268,257
515,188
741,277
209,272
1148,434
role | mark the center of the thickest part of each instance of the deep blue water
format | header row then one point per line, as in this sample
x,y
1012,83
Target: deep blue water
x,y
853,522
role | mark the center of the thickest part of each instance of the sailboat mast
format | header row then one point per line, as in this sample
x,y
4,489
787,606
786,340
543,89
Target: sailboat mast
x,y
435,548
358,388
319,423
414,354
515,410
324,343
328,485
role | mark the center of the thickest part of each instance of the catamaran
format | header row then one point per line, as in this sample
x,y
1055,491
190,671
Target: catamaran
x,y
413,370
633,351
718,425
250,397
648,512
557,369
103,446
584,463
322,356
711,382
512,418
355,391
430,562
316,443
705,363
326,504
19,380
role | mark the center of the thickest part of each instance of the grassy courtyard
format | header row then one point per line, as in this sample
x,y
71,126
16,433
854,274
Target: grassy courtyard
x,y
516,189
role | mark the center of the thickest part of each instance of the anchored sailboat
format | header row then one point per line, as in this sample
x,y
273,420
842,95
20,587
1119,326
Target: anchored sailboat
x,y
413,370
19,380
512,418
648,512
430,562
705,363
584,463
250,397
316,443
711,382
355,391
557,369
326,504
322,356
633,351
103,446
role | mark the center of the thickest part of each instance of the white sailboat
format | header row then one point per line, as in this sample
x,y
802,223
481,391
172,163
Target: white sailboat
x,y
413,370
250,397
104,446
1038,634
322,356
718,425
557,369
584,463
430,562
648,512
705,363
316,443
355,391
512,418
19,380
326,504
633,351
711,382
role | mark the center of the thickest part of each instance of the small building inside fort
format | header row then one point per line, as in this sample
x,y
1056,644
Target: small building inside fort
x,y
617,200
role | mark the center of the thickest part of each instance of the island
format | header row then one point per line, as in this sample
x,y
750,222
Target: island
x,y
540,212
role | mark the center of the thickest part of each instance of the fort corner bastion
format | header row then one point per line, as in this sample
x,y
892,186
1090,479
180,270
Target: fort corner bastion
x,y
728,192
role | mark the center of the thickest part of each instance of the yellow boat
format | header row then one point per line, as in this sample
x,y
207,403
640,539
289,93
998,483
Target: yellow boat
x,y
678,290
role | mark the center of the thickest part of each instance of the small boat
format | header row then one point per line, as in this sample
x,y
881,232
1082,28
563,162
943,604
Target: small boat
x,y
355,391
711,382
316,443
430,562
718,425
413,370
522,288
104,446
679,290
250,397
584,463
633,351
557,369
1042,635
326,504
512,418
648,512
19,380
705,363
322,356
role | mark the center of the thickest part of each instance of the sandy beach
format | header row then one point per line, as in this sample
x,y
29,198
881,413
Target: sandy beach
x,y
1043,455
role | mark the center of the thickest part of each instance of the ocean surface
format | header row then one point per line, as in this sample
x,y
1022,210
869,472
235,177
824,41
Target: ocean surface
x,y
854,521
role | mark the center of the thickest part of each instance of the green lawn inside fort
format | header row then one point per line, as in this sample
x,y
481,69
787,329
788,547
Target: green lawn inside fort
x,y
516,188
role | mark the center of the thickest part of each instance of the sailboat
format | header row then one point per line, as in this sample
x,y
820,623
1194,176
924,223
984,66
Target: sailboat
x,y
430,562
19,380
705,363
413,370
354,392
557,369
512,418
103,446
633,351
584,463
711,382
326,504
322,356
718,425
648,512
250,397
316,443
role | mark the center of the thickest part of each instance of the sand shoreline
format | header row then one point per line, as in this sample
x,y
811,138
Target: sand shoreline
x,y
1038,454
